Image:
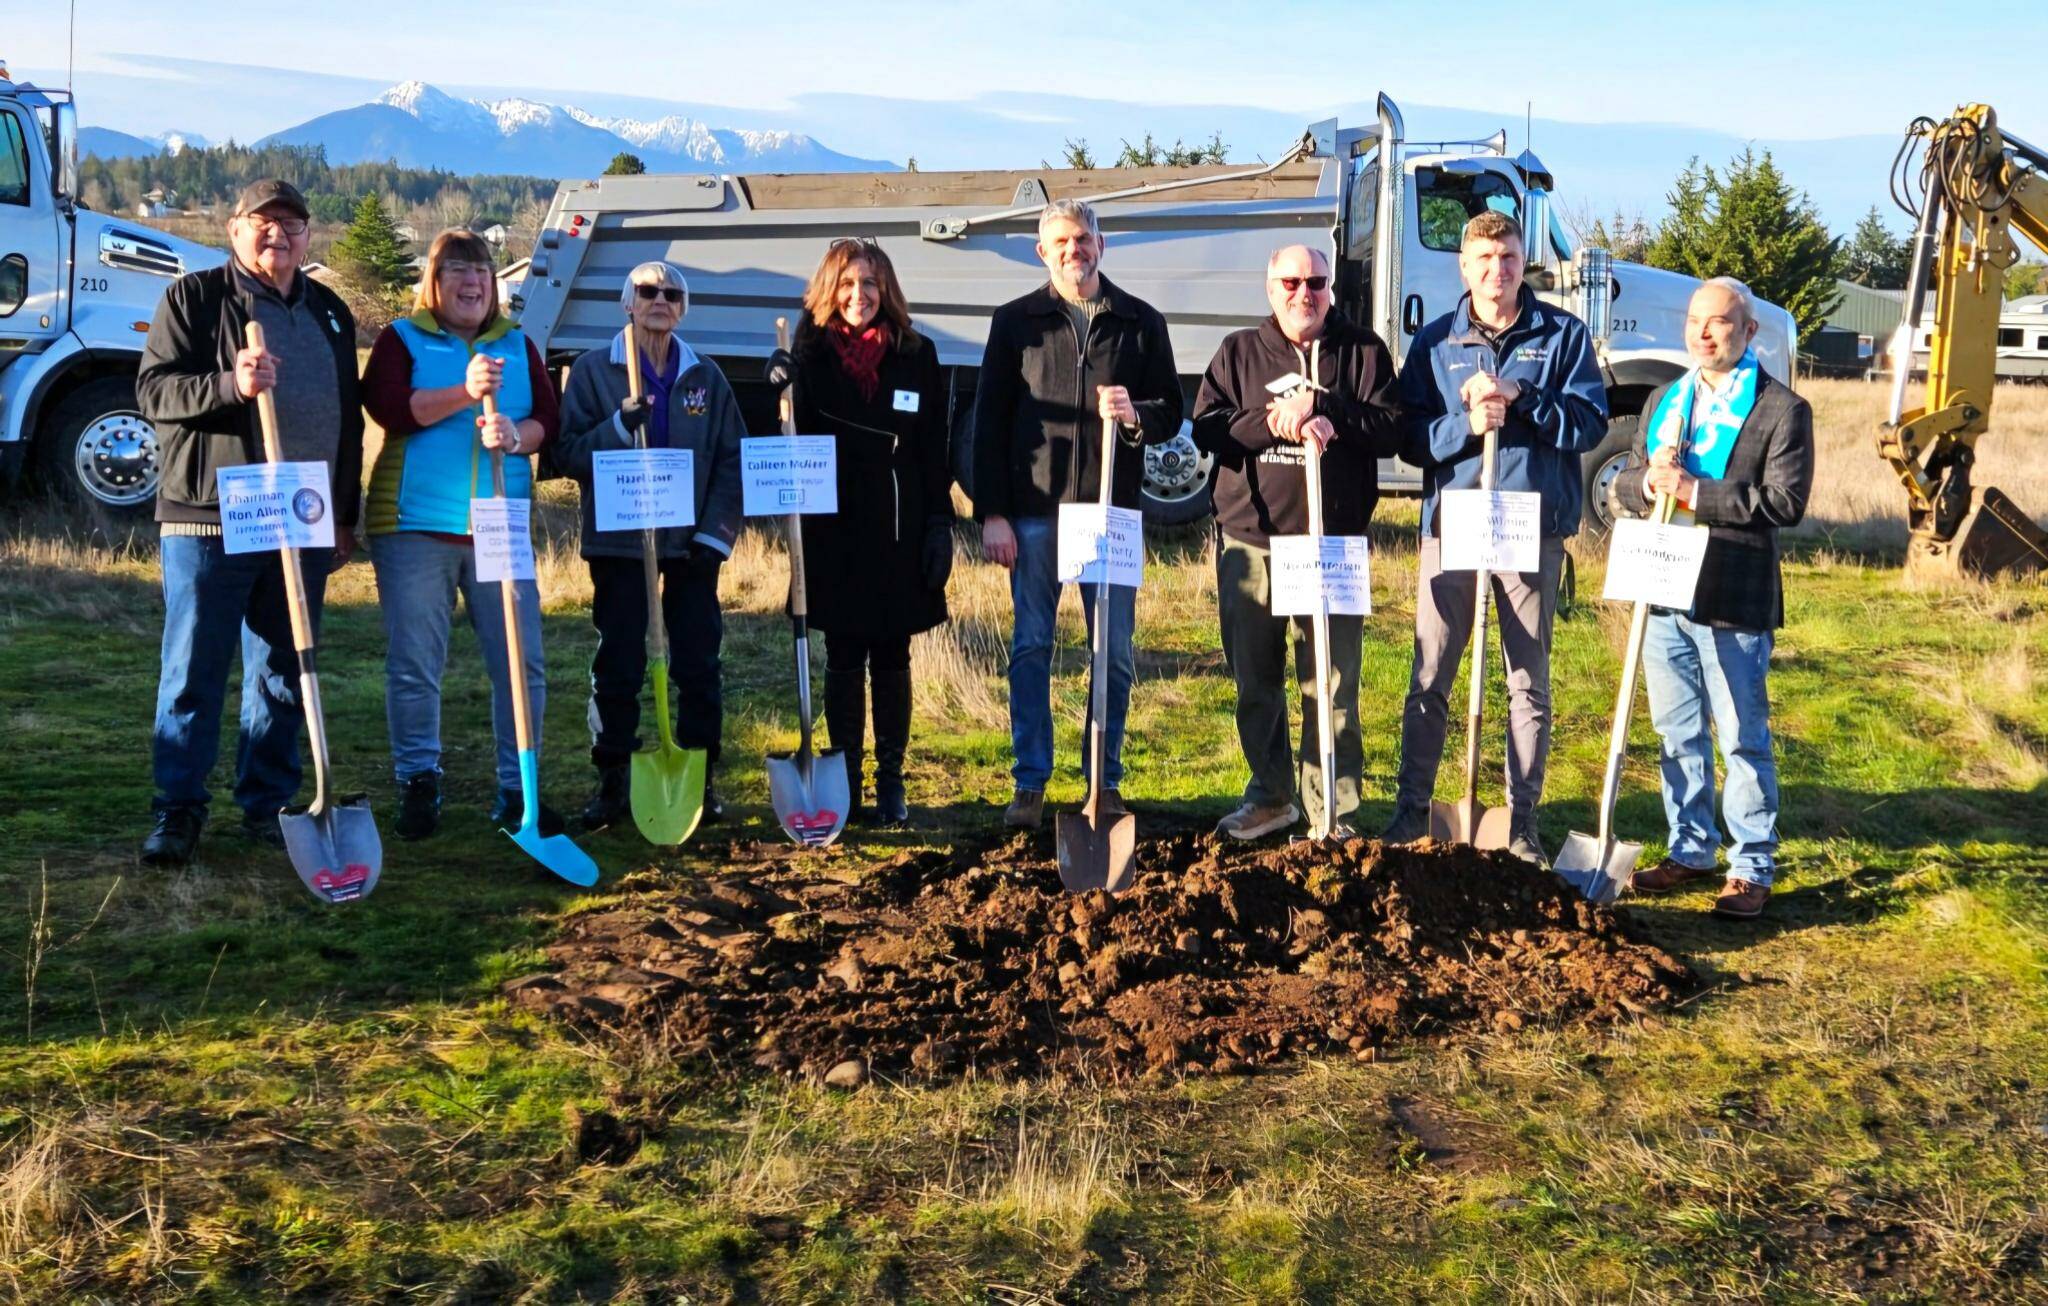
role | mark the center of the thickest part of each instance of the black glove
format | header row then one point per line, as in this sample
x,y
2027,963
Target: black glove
x,y
938,552
632,414
780,371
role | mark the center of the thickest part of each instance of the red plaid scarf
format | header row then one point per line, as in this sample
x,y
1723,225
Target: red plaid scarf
x,y
860,353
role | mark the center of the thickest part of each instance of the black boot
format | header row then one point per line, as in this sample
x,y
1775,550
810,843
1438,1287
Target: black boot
x,y
892,738
846,711
612,800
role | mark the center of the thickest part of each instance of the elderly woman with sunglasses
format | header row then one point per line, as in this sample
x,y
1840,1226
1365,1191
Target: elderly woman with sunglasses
x,y
425,384
686,404
878,567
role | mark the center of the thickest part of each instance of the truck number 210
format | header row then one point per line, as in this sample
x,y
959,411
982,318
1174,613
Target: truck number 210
x,y
93,284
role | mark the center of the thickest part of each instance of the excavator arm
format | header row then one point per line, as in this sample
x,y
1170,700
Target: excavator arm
x,y
1981,185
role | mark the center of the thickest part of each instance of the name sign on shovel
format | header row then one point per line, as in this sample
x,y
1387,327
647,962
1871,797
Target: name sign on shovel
x,y
644,489
1336,579
1656,563
1491,530
503,535
270,506
1100,545
785,474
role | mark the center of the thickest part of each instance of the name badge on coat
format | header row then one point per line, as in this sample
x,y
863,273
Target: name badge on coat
x,y
906,401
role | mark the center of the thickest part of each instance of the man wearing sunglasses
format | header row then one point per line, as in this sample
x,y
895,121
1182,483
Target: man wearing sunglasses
x,y
197,386
1502,360
1304,374
1060,361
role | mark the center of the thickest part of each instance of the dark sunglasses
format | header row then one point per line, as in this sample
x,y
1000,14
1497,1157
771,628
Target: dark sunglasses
x,y
669,293
1292,284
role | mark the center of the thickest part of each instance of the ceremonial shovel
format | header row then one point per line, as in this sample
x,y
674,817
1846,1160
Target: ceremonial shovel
x,y
1465,821
1326,714
333,843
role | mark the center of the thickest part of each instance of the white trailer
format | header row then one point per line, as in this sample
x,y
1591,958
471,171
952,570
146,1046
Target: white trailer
x,y
77,292
1192,241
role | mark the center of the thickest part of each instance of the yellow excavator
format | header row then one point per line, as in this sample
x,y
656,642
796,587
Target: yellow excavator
x,y
1977,185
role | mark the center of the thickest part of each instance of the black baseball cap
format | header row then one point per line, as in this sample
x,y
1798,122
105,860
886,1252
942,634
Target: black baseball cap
x,y
268,191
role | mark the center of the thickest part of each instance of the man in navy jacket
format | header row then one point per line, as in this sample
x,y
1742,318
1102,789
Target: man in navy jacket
x,y
1504,360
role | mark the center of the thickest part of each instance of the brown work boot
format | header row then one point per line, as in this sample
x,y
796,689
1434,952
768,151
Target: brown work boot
x,y
1026,810
1666,876
1741,900
1113,803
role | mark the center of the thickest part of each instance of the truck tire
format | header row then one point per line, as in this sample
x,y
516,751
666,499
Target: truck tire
x,y
1600,467
1178,476
94,449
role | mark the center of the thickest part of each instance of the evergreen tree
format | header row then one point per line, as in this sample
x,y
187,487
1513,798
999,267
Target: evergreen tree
x,y
624,165
1683,238
1875,257
371,250
1750,224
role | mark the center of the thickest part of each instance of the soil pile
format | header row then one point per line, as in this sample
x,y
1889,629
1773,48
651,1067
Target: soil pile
x,y
1217,960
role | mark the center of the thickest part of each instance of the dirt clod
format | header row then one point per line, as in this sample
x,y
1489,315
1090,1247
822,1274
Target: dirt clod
x,y
1218,960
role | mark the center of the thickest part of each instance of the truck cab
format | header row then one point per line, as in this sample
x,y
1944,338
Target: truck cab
x,y
77,292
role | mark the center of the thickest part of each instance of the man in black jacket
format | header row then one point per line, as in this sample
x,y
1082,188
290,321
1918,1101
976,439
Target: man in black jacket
x,y
197,386
1736,448
1060,361
1303,374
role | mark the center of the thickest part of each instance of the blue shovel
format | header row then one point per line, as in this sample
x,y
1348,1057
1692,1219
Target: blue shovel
x,y
557,852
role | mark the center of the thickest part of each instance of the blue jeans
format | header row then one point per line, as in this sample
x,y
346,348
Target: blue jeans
x,y
417,579
1035,596
214,600
1696,673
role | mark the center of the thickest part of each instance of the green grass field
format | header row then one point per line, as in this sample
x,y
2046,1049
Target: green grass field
x,y
213,1089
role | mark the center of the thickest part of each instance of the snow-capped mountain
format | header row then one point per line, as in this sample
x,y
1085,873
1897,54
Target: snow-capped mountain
x,y
110,144
421,126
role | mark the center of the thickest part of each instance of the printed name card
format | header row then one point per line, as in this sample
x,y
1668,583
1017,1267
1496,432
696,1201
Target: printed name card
x,y
644,489
268,506
1088,545
1336,579
1655,563
782,474
502,530
1491,530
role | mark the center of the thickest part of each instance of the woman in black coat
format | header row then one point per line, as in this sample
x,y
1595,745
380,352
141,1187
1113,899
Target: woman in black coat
x,y
876,569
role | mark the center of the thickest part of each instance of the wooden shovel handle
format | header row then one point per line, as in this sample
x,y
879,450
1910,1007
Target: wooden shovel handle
x,y
273,452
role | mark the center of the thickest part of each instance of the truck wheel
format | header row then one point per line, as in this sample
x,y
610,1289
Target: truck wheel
x,y
1601,468
1178,477
95,450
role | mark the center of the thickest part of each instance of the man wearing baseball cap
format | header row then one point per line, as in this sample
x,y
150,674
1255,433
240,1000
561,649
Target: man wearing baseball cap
x,y
197,386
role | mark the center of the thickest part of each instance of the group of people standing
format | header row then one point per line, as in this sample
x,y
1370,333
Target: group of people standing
x,y
1078,376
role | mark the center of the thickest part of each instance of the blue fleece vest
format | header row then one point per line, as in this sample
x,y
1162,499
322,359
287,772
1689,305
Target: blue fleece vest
x,y
424,481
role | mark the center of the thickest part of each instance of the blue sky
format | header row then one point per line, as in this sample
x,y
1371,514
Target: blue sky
x,y
1790,69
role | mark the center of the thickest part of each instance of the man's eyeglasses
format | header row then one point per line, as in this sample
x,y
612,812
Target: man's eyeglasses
x,y
266,224
670,293
1292,284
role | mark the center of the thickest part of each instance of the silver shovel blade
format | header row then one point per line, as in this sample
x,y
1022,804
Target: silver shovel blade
x,y
337,854
1096,853
1598,876
814,814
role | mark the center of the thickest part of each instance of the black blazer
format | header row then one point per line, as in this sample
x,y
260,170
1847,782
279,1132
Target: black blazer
x,y
1770,475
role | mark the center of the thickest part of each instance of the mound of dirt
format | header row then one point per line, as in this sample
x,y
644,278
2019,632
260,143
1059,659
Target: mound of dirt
x,y
1217,960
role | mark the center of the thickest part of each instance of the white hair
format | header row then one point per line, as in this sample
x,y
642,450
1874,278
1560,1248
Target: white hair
x,y
1273,259
1079,212
655,273
1740,291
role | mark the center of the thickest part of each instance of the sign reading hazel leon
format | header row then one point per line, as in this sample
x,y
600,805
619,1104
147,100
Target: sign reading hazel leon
x,y
1491,530
1088,544
644,489
266,506
782,474
1305,579
1654,563
503,532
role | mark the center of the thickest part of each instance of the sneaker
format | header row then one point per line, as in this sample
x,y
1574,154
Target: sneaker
x,y
1409,824
1026,810
714,807
1256,820
1668,875
174,837
510,813
1525,843
612,801
1741,900
419,806
261,827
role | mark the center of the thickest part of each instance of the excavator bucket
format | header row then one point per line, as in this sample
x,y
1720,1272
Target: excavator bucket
x,y
1995,538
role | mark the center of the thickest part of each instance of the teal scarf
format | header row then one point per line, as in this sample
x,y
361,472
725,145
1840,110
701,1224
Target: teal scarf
x,y
1706,445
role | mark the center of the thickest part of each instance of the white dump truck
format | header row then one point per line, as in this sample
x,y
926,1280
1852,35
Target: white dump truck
x,y
1192,241
77,292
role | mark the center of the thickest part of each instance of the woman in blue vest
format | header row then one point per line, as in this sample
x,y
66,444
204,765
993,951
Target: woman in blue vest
x,y
425,384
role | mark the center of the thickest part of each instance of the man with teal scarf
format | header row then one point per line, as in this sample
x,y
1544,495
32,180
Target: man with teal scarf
x,y
1736,449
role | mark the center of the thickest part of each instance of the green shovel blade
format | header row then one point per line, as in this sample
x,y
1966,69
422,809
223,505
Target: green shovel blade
x,y
667,782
